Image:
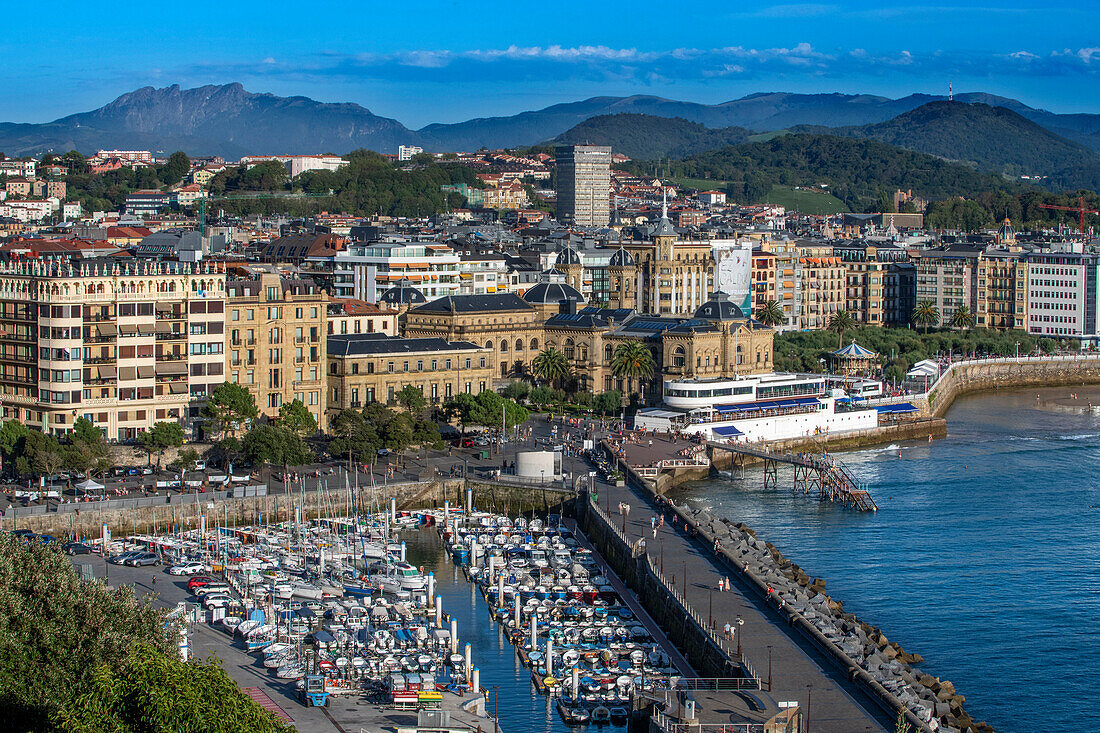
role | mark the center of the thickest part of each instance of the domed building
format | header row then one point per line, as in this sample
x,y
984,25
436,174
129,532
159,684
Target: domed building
x,y
551,298
402,296
570,265
719,308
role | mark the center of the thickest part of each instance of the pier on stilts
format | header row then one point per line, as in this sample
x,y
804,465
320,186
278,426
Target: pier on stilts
x,y
813,473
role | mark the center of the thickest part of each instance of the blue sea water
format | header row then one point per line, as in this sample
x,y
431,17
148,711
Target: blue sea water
x,y
984,556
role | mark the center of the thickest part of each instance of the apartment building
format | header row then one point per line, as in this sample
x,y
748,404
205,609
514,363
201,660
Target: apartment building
x,y
275,341
1001,292
945,277
584,184
122,343
366,368
365,271
1062,295
763,280
820,276
406,152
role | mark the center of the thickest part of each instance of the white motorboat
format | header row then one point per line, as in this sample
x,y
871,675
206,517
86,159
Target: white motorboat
x,y
397,576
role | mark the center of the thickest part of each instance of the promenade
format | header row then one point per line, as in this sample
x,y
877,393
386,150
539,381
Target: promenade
x,y
797,670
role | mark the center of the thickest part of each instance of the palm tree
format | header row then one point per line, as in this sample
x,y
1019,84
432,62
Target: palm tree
x,y
962,318
926,314
550,365
771,314
632,360
840,322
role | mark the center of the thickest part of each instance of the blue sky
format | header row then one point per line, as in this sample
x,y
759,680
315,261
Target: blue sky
x,y
444,60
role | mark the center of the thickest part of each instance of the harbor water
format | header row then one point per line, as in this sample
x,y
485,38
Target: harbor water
x,y
984,556
520,707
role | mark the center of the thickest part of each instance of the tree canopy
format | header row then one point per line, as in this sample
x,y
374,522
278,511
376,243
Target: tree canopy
x,y
231,408
296,417
79,657
275,444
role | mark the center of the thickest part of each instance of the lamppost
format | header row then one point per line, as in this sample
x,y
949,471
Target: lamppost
x,y
1017,350
769,667
740,625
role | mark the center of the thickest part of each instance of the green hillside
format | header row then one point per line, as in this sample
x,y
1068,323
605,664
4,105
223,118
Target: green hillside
x,y
645,137
863,174
804,200
991,138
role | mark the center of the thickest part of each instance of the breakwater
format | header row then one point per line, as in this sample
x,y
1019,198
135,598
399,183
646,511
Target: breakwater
x,y
881,669
684,626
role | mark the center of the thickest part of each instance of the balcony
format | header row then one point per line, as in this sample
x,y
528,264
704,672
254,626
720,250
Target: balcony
x,y
307,382
171,336
171,357
100,360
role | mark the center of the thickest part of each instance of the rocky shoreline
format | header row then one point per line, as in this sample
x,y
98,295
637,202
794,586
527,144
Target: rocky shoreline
x,y
887,671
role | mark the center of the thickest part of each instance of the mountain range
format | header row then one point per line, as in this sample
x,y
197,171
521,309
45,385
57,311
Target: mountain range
x,y
994,133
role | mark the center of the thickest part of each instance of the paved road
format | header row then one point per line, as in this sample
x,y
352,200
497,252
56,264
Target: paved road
x,y
798,671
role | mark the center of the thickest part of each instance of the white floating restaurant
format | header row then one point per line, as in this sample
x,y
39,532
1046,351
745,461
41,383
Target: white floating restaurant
x,y
756,407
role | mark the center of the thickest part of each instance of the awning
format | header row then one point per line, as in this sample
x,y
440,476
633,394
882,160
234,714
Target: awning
x,y
145,328
164,307
106,329
127,329
164,327
177,387
126,373
171,367
726,431
768,405
901,407
144,372
107,372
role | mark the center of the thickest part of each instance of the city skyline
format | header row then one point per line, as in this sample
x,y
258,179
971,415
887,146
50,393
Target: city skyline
x,y
446,66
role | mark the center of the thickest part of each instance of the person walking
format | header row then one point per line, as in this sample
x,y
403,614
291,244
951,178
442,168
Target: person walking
x,y
727,631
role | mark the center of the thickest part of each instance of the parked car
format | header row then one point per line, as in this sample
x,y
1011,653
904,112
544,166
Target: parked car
x,y
217,600
187,568
144,558
211,589
123,558
76,548
198,581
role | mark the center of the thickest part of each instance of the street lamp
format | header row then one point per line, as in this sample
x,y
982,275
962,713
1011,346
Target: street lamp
x,y
740,624
1017,350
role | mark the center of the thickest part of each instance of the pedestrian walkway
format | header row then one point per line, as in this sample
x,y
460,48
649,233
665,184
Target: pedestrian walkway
x,y
796,670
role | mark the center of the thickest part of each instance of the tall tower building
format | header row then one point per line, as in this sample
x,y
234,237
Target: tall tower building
x,y
584,184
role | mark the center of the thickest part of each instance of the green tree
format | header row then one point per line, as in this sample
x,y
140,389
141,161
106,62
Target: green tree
x,y
185,460
632,360
275,444
160,437
961,317
86,451
926,314
231,408
152,691
58,631
840,322
412,398
608,403
296,417
542,395
550,365
516,390
43,453
178,166
771,314
13,436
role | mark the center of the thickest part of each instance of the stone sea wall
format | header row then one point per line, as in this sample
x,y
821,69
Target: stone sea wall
x,y
976,376
151,514
880,667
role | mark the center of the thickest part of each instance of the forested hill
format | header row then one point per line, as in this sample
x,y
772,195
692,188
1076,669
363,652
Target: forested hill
x,y
859,172
645,136
994,139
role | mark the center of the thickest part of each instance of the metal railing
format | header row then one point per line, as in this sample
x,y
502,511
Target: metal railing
x,y
667,723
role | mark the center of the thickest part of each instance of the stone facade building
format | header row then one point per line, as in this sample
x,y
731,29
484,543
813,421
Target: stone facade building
x,y
365,368
275,341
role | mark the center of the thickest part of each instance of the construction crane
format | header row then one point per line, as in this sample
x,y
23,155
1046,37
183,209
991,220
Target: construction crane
x,y
1080,210
252,196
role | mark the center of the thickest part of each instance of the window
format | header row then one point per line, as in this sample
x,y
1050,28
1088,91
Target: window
x,y
251,314
249,377
273,379
273,292
236,315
